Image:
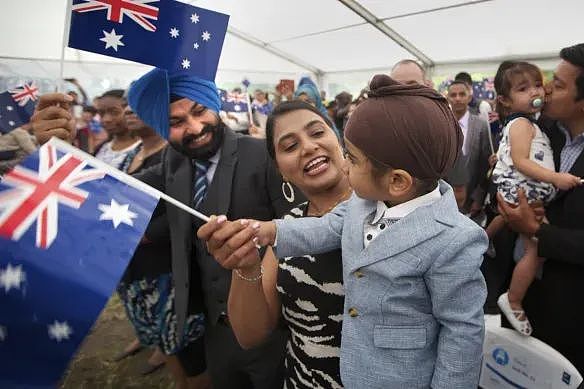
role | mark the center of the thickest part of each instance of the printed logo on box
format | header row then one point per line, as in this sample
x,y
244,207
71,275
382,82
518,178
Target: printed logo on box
x,y
500,356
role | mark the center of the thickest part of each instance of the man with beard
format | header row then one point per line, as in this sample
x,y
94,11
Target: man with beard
x,y
240,182
234,172
553,303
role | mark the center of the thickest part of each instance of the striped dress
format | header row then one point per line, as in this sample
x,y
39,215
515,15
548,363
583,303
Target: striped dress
x,y
312,296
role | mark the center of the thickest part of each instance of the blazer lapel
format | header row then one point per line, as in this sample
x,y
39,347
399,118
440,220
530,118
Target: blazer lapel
x,y
218,196
472,134
578,167
417,227
180,187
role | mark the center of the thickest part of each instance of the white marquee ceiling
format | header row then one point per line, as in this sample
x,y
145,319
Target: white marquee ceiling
x,y
282,38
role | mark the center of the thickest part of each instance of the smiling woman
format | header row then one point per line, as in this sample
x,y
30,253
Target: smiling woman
x,y
305,292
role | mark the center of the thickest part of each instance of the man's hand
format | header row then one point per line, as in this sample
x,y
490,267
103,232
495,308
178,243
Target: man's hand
x,y
493,160
52,118
522,218
233,244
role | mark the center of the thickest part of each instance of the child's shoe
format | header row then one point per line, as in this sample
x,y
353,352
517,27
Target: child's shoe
x,y
512,315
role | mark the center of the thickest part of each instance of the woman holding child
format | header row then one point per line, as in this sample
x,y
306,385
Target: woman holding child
x,y
414,292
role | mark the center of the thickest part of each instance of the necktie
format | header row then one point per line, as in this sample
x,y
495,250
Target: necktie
x,y
201,183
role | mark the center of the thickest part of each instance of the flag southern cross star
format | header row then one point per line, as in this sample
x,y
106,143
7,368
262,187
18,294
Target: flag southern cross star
x,y
117,213
11,277
59,330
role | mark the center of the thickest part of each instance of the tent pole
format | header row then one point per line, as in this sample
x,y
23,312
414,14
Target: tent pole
x,y
387,31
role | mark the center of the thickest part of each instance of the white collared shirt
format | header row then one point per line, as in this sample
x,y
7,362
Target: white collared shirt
x,y
463,122
386,216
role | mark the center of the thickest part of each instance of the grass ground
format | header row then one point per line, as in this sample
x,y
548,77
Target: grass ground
x,y
93,368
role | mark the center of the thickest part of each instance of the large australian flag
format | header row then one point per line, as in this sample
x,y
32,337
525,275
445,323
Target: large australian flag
x,y
17,106
170,35
68,228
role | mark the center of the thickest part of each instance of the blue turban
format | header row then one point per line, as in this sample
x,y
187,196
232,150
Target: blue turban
x,y
149,96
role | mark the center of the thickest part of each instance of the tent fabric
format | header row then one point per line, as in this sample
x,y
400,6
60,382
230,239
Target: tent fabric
x,y
325,39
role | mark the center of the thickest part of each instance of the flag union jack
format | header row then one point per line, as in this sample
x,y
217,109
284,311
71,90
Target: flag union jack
x,y
36,195
235,98
22,95
137,10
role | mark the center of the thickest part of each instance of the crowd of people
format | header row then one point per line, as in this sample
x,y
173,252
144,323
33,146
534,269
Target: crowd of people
x,y
400,218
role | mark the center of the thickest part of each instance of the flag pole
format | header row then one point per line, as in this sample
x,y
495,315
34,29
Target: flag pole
x,y
126,178
248,107
491,140
61,83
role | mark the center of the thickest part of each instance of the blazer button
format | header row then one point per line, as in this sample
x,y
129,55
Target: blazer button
x,y
359,274
353,312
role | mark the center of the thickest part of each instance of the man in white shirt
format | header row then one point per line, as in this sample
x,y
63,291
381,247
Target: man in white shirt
x,y
476,148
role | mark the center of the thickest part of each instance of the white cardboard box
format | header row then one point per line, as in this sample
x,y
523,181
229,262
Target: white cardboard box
x,y
511,360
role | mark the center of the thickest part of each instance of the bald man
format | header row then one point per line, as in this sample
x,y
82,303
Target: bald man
x,y
408,71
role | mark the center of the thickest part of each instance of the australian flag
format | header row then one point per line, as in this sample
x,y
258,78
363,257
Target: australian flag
x,y
68,229
233,102
167,34
17,106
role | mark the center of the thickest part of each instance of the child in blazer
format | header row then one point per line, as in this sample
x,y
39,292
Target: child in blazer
x,y
414,292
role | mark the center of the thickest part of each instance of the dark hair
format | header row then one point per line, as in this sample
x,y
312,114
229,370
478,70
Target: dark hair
x,y
464,77
575,56
116,93
89,108
284,108
507,73
459,82
410,61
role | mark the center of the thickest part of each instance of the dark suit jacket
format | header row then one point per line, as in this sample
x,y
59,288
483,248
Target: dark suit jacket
x,y
477,158
245,185
554,304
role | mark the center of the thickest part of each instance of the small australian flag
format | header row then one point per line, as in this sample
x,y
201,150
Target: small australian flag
x,y
168,34
17,106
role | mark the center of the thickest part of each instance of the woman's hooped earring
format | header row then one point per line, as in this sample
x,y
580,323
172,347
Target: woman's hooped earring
x,y
289,193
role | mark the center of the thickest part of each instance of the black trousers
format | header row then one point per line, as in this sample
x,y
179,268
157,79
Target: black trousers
x,y
498,271
231,367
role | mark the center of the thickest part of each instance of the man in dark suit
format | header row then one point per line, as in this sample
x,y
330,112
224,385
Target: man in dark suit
x,y
554,303
476,148
239,181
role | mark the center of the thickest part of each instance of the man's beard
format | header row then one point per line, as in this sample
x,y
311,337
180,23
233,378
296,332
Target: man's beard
x,y
206,151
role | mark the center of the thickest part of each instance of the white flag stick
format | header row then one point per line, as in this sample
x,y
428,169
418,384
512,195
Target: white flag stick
x,y
249,107
491,139
65,43
125,178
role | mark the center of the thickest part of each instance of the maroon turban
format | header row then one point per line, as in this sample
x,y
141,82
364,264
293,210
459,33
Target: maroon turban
x,y
409,127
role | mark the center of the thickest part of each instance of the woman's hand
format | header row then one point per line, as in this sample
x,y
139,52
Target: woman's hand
x,y
234,244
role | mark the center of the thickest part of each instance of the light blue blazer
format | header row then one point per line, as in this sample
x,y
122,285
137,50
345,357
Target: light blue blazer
x,y
414,297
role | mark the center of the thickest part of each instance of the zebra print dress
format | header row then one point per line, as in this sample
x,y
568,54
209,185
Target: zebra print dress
x,y
312,296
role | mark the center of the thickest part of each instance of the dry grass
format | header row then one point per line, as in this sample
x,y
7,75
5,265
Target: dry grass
x,y
93,368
